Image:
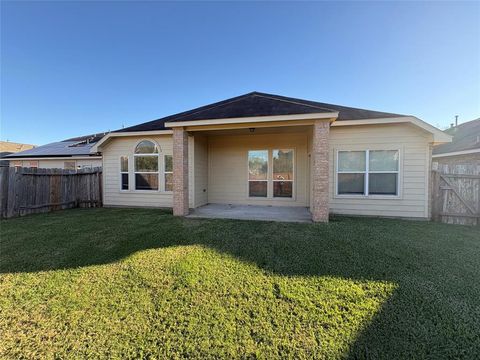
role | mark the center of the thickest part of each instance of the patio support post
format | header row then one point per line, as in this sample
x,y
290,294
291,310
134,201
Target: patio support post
x,y
320,168
180,172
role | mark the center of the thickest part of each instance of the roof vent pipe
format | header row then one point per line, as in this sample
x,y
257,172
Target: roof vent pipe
x,y
456,120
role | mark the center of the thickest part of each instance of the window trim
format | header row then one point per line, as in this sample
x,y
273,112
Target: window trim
x,y
269,179
366,173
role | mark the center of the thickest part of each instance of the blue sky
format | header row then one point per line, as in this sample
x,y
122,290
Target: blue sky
x,y
74,68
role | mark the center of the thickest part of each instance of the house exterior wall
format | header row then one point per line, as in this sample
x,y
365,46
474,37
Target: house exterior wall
x,y
218,164
58,163
228,171
113,195
414,146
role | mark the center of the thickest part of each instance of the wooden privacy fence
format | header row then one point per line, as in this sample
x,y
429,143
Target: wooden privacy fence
x,y
456,194
29,190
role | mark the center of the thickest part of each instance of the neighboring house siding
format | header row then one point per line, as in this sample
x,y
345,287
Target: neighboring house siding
x,y
58,163
89,163
228,174
113,196
414,169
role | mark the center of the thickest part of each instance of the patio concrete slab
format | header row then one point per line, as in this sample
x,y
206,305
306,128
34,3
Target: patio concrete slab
x,y
252,212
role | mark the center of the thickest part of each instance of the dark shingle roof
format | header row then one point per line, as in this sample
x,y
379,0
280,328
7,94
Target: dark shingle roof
x,y
78,146
466,136
260,104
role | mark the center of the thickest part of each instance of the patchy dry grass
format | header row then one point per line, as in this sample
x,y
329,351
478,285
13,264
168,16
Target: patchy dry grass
x,y
129,283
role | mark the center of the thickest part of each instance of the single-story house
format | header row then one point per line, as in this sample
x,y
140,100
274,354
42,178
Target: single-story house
x,y
263,149
464,148
74,153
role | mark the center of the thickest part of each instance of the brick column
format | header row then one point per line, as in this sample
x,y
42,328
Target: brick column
x,y
180,172
320,168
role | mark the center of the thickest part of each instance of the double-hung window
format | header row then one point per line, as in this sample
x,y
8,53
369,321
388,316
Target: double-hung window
x,y
368,172
124,172
146,166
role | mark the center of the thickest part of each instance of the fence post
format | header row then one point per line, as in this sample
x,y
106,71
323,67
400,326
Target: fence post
x,y
4,177
436,196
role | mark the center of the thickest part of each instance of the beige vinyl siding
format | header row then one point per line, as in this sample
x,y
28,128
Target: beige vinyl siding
x,y
88,162
59,163
228,173
201,170
53,164
412,201
125,146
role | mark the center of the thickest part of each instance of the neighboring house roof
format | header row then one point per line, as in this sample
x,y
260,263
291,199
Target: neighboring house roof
x,y
79,146
466,139
13,147
256,104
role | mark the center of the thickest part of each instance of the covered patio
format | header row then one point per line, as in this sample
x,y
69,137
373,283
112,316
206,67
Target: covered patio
x,y
253,212
274,171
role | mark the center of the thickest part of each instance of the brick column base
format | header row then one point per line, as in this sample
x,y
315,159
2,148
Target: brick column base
x,y
180,172
320,168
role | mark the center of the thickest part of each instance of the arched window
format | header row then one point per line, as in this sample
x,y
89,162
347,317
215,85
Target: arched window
x,y
146,147
146,165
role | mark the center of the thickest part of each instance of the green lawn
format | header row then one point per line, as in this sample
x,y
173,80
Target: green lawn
x,y
131,283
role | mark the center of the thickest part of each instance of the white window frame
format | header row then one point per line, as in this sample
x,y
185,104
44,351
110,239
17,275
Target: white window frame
x,y
366,174
270,179
248,174
157,154
166,172
293,174
124,172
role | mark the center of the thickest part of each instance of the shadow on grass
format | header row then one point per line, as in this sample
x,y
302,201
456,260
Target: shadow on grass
x,y
431,314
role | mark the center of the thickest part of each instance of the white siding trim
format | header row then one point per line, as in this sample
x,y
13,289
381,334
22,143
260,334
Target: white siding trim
x,y
255,119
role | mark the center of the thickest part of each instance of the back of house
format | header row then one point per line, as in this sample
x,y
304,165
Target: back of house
x,y
264,149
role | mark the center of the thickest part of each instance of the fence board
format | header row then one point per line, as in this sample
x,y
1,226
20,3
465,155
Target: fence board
x,y
28,190
456,194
